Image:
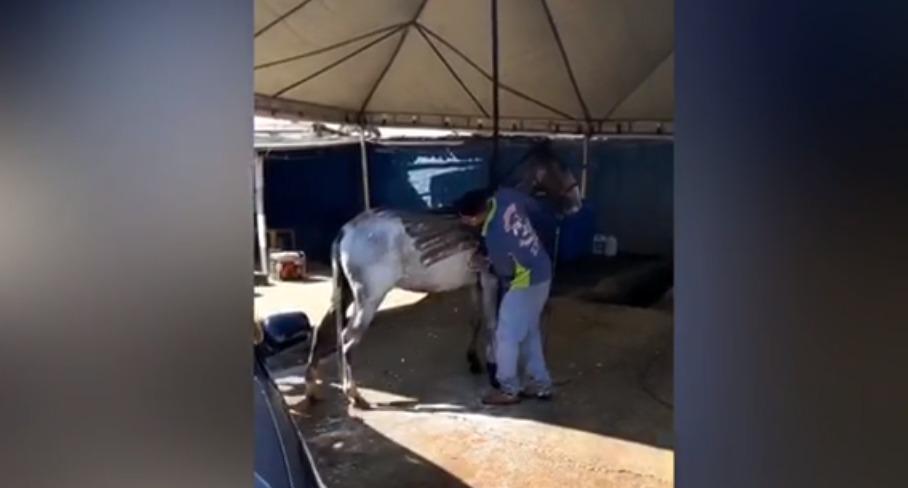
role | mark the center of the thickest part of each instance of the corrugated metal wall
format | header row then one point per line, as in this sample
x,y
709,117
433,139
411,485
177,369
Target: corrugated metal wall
x,y
314,191
631,189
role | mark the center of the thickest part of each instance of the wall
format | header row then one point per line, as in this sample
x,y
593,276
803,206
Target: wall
x,y
314,191
630,186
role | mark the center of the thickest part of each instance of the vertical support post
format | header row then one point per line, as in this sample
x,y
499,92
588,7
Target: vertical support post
x,y
364,164
260,224
546,310
584,172
495,122
557,244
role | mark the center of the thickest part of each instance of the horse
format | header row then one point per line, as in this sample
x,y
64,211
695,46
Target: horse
x,y
429,252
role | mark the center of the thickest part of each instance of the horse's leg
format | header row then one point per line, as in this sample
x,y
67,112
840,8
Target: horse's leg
x,y
322,346
313,391
325,337
364,309
543,327
490,300
477,320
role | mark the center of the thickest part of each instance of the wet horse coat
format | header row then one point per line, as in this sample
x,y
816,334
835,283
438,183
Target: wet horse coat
x,y
383,249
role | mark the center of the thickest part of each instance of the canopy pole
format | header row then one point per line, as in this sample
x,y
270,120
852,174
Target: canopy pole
x,y
557,245
260,224
585,168
495,84
364,164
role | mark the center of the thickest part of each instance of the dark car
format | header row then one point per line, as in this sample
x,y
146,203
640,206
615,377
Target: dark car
x,y
282,458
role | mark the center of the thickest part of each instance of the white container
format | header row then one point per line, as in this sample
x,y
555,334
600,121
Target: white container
x,y
599,244
611,246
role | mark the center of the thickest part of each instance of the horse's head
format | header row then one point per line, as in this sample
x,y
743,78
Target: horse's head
x,y
542,174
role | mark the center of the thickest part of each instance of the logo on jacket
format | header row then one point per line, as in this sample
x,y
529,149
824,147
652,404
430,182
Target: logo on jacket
x,y
518,225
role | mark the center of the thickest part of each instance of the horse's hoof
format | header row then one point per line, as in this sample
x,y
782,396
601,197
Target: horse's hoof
x,y
360,403
492,370
475,365
313,394
303,405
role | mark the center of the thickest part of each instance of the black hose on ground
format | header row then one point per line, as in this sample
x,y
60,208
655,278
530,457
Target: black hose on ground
x,y
646,388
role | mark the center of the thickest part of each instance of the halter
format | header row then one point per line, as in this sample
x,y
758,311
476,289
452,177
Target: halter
x,y
536,183
569,188
565,190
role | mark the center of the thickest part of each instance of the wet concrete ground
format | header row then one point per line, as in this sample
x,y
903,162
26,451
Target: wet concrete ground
x,y
609,425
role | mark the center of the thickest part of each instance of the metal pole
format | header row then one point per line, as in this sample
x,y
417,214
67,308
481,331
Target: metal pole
x,y
586,164
557,244
494,162
364,164
261,229
546,310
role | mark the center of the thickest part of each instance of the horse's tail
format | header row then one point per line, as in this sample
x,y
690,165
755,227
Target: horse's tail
x,y
342,294
329,331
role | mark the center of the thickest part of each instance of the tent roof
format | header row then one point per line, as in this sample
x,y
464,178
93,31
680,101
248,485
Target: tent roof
x,y
565,65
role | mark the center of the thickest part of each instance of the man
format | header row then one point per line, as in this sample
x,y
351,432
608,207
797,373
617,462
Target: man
x,y
525,272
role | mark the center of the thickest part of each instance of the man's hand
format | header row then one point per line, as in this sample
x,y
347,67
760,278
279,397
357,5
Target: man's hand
x,y
479,262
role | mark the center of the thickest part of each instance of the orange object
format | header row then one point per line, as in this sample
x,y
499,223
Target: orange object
x,y
290,271
289,265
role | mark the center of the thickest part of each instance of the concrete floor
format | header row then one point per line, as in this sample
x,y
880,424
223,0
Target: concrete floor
x,y
607,426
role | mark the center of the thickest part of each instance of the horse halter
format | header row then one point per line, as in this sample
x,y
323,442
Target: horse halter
x,y
568,188
564,191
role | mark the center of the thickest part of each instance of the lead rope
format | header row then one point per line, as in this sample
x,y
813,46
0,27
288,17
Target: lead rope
x,y
547,309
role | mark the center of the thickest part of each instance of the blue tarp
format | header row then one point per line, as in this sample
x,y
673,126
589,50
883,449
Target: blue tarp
x,y
314,191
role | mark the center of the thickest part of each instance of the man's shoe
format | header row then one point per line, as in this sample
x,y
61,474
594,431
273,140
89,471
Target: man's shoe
x,y
536,394
498,397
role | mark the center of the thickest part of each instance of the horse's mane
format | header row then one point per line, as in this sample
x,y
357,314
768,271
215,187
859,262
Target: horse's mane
x,y
541,150
443,211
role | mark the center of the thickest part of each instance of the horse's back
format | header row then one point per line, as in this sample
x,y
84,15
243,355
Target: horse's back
x,y
439,250
371,236
370,251
419,251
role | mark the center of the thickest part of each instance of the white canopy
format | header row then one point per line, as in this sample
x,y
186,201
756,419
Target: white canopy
x,y
596,66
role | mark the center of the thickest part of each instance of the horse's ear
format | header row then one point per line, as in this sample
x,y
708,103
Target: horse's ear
x,y
542,151
545,145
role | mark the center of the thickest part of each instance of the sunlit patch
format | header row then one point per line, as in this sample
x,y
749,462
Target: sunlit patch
x,y
292,376
294,401
434,407
380,397
401,298
292,380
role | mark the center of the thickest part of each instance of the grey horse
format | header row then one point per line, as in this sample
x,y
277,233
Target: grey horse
x,y
425,252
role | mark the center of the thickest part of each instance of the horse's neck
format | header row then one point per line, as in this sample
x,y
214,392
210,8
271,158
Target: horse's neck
x,y
522,189
426,215
442,211
517,182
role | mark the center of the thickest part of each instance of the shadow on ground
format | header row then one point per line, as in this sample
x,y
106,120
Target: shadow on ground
x,y
612,363
342,462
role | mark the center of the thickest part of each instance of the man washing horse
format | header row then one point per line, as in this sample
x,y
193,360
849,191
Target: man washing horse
x,y
524,271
